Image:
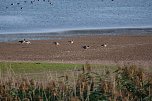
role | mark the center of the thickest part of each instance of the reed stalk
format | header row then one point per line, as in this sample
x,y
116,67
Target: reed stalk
x,y
126,83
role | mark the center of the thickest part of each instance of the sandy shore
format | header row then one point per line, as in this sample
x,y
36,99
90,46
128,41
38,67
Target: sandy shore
x,y
120,49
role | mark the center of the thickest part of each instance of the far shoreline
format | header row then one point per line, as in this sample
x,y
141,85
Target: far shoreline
x,y
76,33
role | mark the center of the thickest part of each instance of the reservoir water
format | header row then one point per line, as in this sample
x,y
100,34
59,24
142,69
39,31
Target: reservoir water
x,y
38,16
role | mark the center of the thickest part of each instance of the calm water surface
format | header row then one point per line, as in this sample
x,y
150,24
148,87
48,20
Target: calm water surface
x,y
61,15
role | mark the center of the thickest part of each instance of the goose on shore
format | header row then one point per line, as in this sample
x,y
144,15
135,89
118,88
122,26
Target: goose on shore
x,y
104,45
86,47
24,41
71,41
56,43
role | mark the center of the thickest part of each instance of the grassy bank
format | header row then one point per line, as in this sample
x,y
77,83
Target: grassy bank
x,y
32,67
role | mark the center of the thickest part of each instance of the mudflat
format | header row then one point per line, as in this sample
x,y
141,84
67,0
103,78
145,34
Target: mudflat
x,y
135,49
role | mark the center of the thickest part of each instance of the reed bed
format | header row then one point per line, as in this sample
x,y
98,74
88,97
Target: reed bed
x,y
126,83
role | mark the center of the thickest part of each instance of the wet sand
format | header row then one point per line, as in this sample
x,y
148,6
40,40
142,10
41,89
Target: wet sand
x,y
120,49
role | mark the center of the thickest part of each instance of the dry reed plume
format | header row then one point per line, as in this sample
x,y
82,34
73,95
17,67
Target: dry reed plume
x,y
127,83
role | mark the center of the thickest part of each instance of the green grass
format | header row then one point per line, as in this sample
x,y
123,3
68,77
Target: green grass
x,y
30,67
35,67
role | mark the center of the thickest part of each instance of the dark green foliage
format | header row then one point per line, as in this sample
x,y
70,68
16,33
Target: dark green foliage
x,y
133,81
98,96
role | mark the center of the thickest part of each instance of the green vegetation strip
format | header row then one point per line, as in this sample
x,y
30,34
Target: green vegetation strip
x,y
33,67
22,67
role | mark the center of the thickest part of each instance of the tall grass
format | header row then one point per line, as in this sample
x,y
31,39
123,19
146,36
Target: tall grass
x,y
126,83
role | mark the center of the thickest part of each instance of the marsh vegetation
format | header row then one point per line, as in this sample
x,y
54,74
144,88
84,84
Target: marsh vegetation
x,y
78,83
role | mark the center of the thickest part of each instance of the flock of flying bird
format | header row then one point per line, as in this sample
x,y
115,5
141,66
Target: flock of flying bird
x,y
27,2
31,2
